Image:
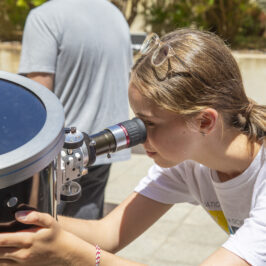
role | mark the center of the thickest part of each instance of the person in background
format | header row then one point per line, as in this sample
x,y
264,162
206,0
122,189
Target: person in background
x,y
207,139
81,50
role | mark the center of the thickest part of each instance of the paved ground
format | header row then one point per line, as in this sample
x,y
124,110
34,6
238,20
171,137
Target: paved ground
x,y
183,236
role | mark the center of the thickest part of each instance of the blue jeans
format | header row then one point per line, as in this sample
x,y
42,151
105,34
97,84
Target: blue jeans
x,y
91,203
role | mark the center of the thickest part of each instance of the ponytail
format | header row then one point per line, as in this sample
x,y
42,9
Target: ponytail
x,y
252,121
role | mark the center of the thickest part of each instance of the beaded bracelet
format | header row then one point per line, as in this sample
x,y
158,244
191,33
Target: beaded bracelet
x,y
98,255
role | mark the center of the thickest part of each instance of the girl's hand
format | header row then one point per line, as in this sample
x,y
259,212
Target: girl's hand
x,y
44,244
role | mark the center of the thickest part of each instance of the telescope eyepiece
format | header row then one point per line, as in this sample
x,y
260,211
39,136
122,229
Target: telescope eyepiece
x,y
114,138
81,150
136,131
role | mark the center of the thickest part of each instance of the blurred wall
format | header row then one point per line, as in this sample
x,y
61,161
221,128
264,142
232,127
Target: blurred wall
x,y
253,69
9,57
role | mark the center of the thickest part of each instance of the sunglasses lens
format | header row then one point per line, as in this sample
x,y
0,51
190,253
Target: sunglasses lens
x,y
160,55
149,43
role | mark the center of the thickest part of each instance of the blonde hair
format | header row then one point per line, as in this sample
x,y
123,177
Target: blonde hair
x,y
208,77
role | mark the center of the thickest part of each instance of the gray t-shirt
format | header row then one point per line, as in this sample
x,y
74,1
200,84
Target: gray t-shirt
x,y
86,44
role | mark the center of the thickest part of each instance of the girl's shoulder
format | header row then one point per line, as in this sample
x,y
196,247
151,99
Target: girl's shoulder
x,y
188,169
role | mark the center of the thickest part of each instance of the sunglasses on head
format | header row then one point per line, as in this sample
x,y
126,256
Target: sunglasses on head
x,y
161,53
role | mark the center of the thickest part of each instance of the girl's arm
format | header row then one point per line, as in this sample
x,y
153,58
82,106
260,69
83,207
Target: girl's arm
x,y
223,257
125,223
50,244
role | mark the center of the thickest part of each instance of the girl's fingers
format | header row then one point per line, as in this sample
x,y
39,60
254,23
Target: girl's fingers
x,y
6,253
35,218
13,256
4,262
15,240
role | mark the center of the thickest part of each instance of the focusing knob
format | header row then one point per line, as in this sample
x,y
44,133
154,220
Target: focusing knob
x,y
70,191
73,138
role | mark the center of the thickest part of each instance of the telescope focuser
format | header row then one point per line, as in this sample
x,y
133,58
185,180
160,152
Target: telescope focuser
x,y
80,151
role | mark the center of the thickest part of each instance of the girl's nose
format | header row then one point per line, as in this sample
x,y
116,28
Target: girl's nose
x,y
146,144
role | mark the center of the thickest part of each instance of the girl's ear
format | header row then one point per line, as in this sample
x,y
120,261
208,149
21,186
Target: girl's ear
x,y
206,121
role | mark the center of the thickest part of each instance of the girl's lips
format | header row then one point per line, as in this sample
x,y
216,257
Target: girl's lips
x,y
150,154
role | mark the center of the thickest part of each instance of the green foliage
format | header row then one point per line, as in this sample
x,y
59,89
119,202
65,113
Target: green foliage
x,y
29,3
240,22
12,17
231,19
164,16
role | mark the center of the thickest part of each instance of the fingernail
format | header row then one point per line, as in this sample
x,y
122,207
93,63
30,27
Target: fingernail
x,y
22,215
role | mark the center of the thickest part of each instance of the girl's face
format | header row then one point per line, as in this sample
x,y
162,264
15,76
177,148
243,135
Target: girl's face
x,y
169,139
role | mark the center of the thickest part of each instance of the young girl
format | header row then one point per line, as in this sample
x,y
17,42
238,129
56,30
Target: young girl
x,y
207,139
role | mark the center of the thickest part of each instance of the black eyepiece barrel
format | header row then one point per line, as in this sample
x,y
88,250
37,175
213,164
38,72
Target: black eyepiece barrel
x,y
114,138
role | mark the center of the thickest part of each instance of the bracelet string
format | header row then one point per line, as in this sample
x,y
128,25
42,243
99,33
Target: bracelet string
x,y
98,255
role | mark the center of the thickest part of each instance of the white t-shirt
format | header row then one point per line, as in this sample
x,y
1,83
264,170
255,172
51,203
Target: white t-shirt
x,y
237,205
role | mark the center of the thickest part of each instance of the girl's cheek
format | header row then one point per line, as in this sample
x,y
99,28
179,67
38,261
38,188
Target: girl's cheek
x,y
149,139
150,134
154,140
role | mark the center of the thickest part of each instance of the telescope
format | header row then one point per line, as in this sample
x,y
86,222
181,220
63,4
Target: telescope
x,y
40,158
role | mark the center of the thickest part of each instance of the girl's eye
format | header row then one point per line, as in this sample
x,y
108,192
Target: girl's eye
x,y
148,123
